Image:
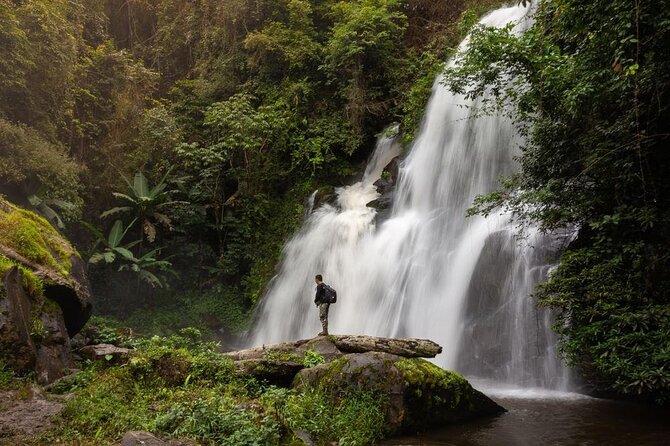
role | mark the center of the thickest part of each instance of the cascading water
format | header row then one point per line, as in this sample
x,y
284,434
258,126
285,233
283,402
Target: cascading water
x,y
428,271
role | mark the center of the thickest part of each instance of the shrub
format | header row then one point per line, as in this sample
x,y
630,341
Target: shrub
x,y
219,420
358,418
312,358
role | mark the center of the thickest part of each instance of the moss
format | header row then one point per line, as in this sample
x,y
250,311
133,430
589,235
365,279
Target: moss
x,y
443,386
282,356
31,283
34,238
335,368
419,371
164,389
332,370
50,306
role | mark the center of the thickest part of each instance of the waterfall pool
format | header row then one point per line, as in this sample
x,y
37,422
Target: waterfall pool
x,y
563,419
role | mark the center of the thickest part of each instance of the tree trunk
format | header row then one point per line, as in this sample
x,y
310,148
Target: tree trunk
x,y
409,348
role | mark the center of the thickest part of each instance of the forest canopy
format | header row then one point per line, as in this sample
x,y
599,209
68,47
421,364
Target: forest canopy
x,y
179,138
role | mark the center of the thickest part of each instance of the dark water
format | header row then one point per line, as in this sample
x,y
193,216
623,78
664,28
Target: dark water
x,y
583,422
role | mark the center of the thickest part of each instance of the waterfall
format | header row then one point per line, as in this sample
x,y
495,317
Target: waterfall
x,y
428,271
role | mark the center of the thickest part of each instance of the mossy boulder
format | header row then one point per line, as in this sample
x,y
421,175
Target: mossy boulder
x,y
415,394
44,294
419,395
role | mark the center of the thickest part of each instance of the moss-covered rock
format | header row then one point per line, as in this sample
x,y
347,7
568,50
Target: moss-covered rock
x,y
44,294
434,396
31,237
419,394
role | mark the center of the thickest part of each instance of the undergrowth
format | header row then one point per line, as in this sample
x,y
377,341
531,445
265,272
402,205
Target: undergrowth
x,y
179,387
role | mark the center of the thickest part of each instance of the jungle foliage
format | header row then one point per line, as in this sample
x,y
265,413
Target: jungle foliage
x,y
236,110
590,82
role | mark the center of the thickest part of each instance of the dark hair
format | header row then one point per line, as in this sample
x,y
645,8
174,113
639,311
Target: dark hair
x,y
319,277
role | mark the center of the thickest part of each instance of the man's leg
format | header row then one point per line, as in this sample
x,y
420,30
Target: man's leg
x,y
323,316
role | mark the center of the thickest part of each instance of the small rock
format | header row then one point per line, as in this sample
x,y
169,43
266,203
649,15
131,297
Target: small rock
x,y
139,438
106,352
322,345
304,437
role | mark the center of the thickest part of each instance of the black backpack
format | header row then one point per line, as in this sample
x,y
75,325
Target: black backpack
x,y
329,295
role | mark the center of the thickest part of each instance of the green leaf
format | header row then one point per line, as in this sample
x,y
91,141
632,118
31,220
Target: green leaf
x,y
124,197
50,215
161,184
125,253
128,228
65,205
141,185
150,278
116,210
116,234
95,231
34,200
95,258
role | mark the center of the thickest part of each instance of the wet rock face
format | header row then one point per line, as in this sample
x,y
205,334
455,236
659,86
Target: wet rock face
x,y
44,295
33,336
16,345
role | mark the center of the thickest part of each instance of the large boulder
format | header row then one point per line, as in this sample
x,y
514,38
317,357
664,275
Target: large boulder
x,y
418,394
44,295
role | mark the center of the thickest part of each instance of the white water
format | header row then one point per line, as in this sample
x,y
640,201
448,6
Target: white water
x,y
428,271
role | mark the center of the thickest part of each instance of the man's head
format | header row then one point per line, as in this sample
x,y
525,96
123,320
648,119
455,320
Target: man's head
x,y
318,278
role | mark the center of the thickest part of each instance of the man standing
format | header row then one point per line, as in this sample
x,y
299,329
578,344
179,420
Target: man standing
x,y
322,304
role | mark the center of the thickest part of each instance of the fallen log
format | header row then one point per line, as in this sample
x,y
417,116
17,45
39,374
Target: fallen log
x,y
408,348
